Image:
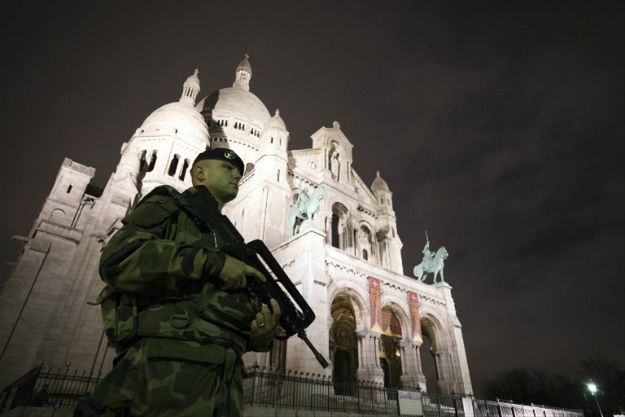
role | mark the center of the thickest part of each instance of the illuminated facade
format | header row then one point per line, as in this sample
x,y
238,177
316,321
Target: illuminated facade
x,y
371,318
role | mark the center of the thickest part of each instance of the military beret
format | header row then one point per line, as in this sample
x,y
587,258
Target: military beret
x,y
222,154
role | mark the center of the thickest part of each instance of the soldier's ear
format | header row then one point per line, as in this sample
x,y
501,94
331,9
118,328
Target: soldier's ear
x,y
197,174
200,172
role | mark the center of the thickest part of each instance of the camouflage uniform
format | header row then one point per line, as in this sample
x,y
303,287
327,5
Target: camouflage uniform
x,y
184,336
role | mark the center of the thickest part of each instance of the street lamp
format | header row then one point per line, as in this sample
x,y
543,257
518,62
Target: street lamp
x,y
592,387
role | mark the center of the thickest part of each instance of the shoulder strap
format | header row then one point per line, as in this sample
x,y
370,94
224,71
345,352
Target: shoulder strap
x,y
201,214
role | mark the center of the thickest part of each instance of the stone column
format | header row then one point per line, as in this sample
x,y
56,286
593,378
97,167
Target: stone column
x,y
422,384
457,367
419,362
445,371
368,358
412,374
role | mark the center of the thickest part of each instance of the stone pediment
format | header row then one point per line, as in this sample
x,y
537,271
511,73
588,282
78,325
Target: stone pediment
x,y
327,137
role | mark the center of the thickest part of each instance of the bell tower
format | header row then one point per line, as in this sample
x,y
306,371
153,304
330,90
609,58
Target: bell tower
x,y
389,243
261,210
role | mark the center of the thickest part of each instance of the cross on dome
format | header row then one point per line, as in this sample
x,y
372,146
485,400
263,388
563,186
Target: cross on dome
x,y
243,74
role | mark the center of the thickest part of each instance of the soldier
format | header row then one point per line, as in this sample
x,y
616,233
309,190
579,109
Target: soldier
x,y
176,308
428,255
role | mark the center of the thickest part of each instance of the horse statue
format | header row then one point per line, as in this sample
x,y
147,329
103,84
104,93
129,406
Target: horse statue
x,y
432,264
306,207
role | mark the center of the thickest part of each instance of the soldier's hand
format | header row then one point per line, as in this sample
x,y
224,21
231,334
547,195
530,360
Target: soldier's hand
x,y
234,273
265,324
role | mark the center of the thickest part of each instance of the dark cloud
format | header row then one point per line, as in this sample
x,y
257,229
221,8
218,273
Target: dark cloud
x,y
499,128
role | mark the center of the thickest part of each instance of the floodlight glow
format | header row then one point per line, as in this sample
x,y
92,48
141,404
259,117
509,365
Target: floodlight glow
x,y
592,387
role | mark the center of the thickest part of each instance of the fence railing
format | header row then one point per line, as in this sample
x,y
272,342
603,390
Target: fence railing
x,y
46,387
305,391
291,390
508,409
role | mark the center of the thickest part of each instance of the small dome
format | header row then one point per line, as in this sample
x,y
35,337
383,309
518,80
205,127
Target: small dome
x,y
236,103
276,121
177,117
190,89
379,184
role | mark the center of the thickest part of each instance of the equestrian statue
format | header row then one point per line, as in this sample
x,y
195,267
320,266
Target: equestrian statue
x,y
306,207
432,263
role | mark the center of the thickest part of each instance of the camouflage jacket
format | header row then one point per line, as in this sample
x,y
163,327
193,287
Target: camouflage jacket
x,y
165,267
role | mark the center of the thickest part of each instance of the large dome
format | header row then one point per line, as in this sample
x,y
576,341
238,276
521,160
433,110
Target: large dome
x,y
236,103
175,118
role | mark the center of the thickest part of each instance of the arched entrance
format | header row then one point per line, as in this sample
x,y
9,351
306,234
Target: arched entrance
x,y
343,345
427,352
390,353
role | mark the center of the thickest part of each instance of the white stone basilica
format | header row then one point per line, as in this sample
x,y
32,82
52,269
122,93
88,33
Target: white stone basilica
x,y
371,318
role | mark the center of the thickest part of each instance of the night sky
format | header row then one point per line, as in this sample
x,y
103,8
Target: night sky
x,y
498,126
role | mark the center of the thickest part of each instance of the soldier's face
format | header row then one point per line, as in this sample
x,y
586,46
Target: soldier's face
x,y
220,177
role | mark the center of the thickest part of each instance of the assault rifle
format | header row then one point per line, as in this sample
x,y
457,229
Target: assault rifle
x,y
203,207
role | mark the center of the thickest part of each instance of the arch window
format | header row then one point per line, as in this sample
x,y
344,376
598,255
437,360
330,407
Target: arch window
x,y
185,168
152,163
143,163
173,166
339,232
365,242
335,230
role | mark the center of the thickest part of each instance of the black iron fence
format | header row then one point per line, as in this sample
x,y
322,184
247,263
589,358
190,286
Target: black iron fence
x,y
509,409
45,387
291,390
306,391
435,405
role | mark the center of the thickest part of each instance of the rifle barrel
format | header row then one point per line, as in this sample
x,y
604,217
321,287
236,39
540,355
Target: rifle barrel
x,y
322,361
